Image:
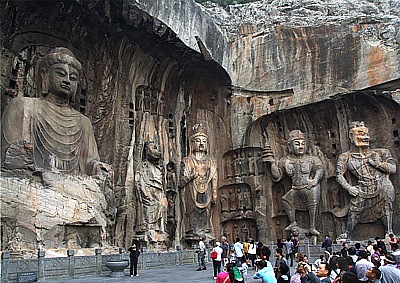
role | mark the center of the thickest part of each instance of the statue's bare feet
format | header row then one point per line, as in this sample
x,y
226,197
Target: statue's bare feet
x,y
291,225
314,231
343,237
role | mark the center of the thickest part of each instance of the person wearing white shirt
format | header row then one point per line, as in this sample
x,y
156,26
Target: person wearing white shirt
x,y
238,248
362,266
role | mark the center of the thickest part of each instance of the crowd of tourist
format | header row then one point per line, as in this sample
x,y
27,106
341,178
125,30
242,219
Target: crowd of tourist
x,y
352,264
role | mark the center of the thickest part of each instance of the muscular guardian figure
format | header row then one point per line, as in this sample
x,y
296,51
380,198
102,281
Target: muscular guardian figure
x,y
372,193
305,171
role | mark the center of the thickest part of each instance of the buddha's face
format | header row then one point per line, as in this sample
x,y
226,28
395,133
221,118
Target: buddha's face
x,y
299,146
360,136
63,80
200,144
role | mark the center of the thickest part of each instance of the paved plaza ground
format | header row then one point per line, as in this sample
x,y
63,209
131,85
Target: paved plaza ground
x,y
179,274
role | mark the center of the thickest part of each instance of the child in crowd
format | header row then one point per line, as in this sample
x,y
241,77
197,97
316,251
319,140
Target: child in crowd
x,y
244,267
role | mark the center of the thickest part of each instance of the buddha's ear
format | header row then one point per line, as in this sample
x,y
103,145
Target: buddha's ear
x,y
44,76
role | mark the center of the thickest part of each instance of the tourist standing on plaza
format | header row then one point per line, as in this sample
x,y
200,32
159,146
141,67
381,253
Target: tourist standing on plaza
x,y
279,243
288,250
393,240
362,266
238,248
246,246
217,250
327,244
279,259
390,274
381,245
320,260
252,252
225,251
345,250
263,251
134,254
295,247
396,253
201,254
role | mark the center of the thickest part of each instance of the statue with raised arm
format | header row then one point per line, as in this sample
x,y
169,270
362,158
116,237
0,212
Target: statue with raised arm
x,y
199,183
371,191
46,133
305,172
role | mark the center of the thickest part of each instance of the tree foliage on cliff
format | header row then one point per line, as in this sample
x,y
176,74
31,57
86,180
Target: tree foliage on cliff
x,y
226,2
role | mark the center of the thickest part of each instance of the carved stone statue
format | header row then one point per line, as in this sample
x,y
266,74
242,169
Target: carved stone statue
x,y
199,182
151,216
60,137
252,164
305,171
372,194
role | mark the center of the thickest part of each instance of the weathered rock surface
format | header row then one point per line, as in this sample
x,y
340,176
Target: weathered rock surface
x,y
71,213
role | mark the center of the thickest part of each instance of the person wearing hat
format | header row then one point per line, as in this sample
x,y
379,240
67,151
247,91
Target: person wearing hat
x,y
217,251
390,274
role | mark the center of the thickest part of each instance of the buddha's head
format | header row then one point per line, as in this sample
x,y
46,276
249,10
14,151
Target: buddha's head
x,y
60,71
199,139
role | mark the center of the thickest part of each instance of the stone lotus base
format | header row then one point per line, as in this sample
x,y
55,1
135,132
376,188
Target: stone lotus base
x,y
117,267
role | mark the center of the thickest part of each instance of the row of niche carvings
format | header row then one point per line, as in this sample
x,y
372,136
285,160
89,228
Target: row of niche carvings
x,y
243,163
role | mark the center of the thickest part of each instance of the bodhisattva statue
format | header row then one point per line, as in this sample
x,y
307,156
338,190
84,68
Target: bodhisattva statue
x,y
373,195
152,209
305,171
199,183
60,138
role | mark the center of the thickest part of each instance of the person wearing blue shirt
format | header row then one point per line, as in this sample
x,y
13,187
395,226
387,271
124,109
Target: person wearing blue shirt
x,y
266,272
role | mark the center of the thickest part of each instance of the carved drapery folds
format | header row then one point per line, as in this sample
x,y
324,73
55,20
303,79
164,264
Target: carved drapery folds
x,y
47,136
199,183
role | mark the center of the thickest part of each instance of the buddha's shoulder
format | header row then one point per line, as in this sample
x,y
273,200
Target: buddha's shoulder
x,y
24,102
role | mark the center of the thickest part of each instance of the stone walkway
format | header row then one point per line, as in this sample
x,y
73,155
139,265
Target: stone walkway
x,y
180,274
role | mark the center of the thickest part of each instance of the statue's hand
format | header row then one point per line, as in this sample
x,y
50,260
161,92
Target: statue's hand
x,y
374,159
194,175
274,169
312,183
353,191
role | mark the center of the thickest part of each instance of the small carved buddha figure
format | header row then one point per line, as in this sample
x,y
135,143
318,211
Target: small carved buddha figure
x,y
372,194
62,138
199,181
305,172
